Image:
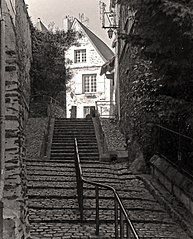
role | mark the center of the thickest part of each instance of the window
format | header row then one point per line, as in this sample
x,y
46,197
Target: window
x,y
80,56
89,83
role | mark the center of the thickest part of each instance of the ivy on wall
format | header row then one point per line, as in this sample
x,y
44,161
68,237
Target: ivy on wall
x,y
48,72
159,74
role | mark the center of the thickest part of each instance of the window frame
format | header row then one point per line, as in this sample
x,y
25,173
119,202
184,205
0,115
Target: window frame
x,y
89,83
80,56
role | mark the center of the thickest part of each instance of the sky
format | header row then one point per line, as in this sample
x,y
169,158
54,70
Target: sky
x,y
56,10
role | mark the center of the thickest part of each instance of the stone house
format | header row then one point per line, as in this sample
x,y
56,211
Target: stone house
x,y
87,87
15,95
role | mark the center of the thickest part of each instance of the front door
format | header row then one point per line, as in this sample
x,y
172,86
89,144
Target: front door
x,y
88,110
73,111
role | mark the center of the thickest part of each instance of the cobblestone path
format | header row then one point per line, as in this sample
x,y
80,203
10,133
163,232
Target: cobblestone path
x,y
53,201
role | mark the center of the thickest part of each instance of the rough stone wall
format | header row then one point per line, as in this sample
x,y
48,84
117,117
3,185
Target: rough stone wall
x,y
127,61
125,87
35,132
17,80
115,140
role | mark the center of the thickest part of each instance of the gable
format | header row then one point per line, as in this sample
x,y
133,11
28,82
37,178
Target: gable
x,y
103,50
93,57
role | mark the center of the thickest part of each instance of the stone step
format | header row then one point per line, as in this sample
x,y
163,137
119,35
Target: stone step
x,y
68,183
71,144
58,152
136,205
51,192
74,130
69,140
77,122
67,150
64,182
85,157
73,121
70,132
105,214
71,149
71,231
80,138
89,193
106,231
73,124
69,164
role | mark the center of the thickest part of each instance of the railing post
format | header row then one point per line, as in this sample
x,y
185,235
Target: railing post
x,y
81,201
121,225
116,218
97,210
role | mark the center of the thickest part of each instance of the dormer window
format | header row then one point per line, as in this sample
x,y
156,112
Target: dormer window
x,y
80,56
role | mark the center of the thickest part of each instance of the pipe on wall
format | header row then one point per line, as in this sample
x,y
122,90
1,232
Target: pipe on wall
x,y
2,110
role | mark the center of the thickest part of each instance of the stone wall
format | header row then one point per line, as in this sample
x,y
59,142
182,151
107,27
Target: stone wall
x,y
17,80
35,134
175,181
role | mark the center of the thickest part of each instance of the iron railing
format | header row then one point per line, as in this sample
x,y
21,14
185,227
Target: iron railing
x,y
121,217
44,98
175,147
106,109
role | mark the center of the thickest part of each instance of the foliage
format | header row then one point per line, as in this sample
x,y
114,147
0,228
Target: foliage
x,y
48,72
161,56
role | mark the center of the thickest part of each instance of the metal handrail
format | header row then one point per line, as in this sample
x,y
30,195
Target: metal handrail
x,y
173,131
118,203
46,98
177,159
110,111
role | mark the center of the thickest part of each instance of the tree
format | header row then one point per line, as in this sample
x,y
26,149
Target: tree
x,y
160,72
48,72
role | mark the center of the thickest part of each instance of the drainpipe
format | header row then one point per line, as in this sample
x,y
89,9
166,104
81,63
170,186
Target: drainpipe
x,y
2,111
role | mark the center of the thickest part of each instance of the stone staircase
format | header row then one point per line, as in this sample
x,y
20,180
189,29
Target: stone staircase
x,y
53,204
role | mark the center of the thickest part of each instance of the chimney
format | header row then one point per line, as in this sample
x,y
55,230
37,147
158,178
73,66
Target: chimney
x,y
67,23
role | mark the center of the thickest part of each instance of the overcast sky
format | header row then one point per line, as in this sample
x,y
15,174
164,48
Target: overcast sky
x,y
56,10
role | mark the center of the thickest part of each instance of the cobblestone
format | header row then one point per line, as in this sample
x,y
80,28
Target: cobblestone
x,y
115,140
53,203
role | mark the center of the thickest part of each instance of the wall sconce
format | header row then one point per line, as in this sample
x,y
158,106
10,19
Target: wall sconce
x,y
110,33
108,19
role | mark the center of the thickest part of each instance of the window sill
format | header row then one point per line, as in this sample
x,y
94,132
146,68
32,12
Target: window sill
x,y
91,95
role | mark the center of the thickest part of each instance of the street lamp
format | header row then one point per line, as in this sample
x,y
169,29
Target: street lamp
x,y
110,33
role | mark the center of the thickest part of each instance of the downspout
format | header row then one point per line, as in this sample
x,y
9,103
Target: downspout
x,y
2,111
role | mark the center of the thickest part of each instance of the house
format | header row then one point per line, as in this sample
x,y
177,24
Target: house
x,y
40,26
87,88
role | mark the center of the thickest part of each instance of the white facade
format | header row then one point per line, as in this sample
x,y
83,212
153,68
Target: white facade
x,y
87,86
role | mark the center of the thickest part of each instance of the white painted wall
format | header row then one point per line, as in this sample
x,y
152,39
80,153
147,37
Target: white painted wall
x,y
75,95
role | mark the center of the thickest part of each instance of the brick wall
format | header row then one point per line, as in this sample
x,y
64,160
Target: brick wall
x,y
17,80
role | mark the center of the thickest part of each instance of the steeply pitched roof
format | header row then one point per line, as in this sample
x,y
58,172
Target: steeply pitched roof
x,y
40,26
100,46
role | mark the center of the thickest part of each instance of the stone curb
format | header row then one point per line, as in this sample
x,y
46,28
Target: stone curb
x,y
164,202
